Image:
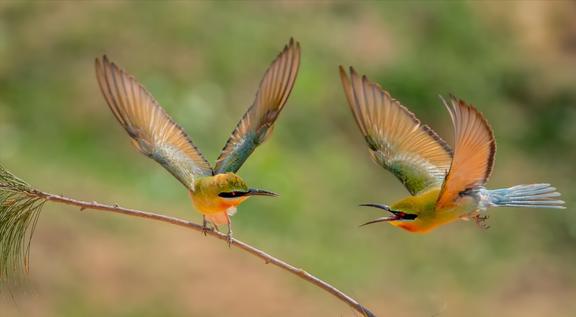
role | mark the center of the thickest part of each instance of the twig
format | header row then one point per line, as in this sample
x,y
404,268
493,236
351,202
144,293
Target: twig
x,y
268,259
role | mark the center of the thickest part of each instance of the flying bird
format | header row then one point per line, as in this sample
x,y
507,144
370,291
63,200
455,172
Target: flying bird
x,y
215,191
445,184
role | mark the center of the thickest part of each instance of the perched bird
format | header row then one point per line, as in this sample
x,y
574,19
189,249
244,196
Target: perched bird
x,y
215,192
445,185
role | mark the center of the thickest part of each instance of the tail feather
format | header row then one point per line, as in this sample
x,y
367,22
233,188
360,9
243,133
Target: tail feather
x,y
531,196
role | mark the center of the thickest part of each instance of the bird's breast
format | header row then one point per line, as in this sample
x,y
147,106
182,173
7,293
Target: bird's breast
x,y
207,204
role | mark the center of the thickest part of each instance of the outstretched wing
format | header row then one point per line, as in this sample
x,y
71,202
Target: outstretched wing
x,y
413,152
152,130
257,123
474,149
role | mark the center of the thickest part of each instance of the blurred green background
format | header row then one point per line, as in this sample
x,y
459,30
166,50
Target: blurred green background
x,y
203,62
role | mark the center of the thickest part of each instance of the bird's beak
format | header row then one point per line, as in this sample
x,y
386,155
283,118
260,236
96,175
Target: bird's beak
x,y
260,192
385,207
396,215
382,219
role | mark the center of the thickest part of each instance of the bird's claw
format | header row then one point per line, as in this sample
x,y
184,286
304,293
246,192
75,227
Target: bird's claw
x,y
229,234
229,239
205,229
481,221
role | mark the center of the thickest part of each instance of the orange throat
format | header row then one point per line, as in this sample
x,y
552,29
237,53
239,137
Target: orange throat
x,y
216,209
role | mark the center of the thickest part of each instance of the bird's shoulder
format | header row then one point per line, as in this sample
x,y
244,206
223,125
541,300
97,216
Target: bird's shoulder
x,y
423,201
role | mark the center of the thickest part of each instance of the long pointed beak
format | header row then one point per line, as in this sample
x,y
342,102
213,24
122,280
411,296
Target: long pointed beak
x,y
385,207
260,192
396,214
382,219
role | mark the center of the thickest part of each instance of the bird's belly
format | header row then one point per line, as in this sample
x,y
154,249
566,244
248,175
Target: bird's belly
x,y
464,207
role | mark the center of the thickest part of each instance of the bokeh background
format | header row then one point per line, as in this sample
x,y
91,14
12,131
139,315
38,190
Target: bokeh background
x,y
203,62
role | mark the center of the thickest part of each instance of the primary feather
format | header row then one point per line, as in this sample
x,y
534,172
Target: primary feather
x,y
413,152
257,123
152,130
474,150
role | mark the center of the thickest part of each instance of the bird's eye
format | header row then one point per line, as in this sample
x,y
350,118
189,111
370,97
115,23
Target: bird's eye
x,y
230,194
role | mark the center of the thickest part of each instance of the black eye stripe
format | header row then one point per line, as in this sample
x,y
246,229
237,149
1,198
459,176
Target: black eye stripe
x,y
231,194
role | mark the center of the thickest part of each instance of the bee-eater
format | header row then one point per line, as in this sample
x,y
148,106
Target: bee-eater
x,y
445,185
215,192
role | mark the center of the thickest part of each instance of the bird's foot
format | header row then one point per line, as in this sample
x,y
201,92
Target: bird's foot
x,y
205,227
229,235
481,221
229,239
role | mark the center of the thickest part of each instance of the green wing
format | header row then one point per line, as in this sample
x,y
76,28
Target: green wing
x,y
413,152
152,130
257,123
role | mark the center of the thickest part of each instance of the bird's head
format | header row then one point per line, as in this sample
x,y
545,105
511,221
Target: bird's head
x,y
396,217
232,188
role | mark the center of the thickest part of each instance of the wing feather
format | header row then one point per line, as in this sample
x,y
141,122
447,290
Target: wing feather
x,y
413,152
152,130
257,123
474,152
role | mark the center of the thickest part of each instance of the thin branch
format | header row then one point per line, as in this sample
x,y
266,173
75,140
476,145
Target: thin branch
x,y
268,259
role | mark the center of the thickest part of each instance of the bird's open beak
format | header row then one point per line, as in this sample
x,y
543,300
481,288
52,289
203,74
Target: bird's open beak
x,y
260,192
396,215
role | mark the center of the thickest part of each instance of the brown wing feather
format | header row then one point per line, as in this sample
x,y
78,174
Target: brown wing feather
x,y
152,130
413,152
257,123
474,152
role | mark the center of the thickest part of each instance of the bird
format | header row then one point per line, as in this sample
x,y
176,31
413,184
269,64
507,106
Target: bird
x,y
445,184
217,191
